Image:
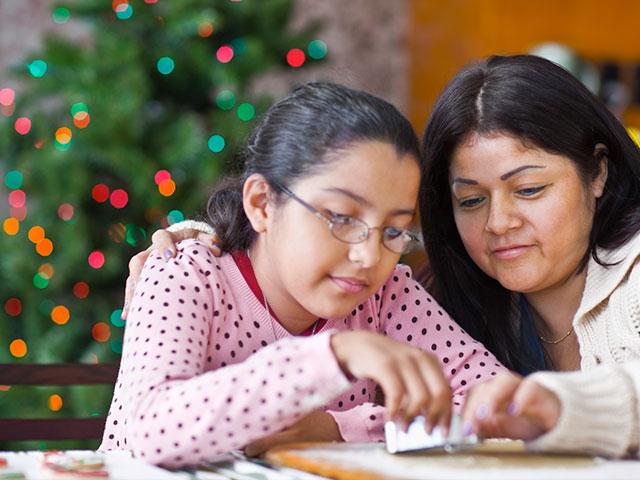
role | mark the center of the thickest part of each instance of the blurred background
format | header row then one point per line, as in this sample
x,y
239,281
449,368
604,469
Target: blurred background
x,y
117,117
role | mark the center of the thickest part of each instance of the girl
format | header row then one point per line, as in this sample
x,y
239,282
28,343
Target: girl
x,y
295,328
531,212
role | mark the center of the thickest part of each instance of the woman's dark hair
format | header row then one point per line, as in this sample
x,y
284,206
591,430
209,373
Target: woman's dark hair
x,y
541,104
293,140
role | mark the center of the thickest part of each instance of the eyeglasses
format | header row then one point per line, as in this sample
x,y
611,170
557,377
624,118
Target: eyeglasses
x,y
353,230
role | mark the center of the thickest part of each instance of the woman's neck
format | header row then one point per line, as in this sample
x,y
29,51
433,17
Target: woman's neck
x,y
555,307
291,315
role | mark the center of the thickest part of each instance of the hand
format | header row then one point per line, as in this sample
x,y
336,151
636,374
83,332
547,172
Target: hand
x,y
511,406
412,381
318,426
164,242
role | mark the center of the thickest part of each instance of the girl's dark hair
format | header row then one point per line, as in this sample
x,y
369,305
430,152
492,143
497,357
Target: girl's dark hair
x,y
540,103
293,140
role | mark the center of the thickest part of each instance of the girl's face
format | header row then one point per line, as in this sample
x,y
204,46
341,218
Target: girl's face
x,y
319,275
524,215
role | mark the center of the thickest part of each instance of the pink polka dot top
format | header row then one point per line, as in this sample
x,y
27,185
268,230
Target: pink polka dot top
x,y
206,370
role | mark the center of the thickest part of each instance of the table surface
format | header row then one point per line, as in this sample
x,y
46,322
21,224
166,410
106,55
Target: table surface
x,y
496,460
369,461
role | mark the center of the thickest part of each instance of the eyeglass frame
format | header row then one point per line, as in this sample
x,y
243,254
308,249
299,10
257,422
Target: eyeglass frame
x,y
414,238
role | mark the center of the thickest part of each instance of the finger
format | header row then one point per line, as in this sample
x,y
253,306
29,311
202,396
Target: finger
x,y
439,412
537,403
393,387
212,241
497,395
164,242
418,396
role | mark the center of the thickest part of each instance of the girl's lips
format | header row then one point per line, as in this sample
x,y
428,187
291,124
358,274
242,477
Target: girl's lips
x,y
349,285
511,252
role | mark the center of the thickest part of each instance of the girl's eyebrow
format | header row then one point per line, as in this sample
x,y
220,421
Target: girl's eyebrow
x,y
363,201
503,177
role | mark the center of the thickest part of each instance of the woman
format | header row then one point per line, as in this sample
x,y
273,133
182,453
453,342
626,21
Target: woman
x,y
531,213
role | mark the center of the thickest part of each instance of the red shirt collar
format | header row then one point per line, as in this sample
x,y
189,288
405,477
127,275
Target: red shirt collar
x,y
246,269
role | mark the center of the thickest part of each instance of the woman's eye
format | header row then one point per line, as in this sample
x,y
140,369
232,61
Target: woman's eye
x,y
470,202
530,192
340,219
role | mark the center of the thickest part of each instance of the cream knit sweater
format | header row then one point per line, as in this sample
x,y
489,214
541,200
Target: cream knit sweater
x,y
601,403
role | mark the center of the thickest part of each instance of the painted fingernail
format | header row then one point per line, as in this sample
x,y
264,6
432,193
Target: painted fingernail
x,y
467,428
167,253
511,409
481,412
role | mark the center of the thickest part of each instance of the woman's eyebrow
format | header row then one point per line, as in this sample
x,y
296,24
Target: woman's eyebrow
x,y
503,177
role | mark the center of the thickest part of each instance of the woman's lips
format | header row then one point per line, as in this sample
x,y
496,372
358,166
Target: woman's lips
x,y
349,285
511,252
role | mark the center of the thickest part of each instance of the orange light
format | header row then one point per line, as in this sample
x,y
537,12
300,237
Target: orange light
x,y
167,187
36,234
55,402
47,270
44,247
60,314
11,226
18,348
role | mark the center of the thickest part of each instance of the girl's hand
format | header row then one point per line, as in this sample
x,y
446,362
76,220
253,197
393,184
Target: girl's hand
x,y
318,426
164,242
412,381
511,406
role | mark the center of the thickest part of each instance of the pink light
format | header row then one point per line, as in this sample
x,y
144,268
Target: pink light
x,y
96,259
119,198
65,211
23,125
7,96
224,54
17,198
161,175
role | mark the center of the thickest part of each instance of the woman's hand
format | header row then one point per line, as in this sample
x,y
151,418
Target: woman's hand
x,y
512,407
318,426
164,242
412,381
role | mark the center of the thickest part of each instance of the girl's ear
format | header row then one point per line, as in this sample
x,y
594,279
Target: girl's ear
x,y
602,153
255,199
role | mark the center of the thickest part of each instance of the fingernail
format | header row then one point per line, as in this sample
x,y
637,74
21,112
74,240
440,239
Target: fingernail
x,y
481,412
511,409
467,428
167,253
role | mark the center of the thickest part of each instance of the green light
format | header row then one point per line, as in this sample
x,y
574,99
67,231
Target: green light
x,y
226,100
37,68
135,234
46,306
245,112
115,318
216,143
166,65
63,147
40,281
13,179
116,346
61,15
79,107
239,46
175,216
124,13
317,49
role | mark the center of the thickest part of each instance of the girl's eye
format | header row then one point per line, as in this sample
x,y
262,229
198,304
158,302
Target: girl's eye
x,y
530,192
470,202
340,219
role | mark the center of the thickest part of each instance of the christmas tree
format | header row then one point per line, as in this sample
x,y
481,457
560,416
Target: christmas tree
x,y
109,140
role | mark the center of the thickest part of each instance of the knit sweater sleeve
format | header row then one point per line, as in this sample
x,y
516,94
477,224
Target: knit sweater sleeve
x,y
600,409
180,411
403,310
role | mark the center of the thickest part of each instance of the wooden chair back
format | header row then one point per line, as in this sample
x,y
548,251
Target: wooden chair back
x,y
55,374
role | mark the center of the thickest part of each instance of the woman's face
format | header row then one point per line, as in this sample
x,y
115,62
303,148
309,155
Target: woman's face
x,y
523,214
320,274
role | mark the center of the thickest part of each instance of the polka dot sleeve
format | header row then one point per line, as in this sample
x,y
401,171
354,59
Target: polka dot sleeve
x,y
409,314
173,407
